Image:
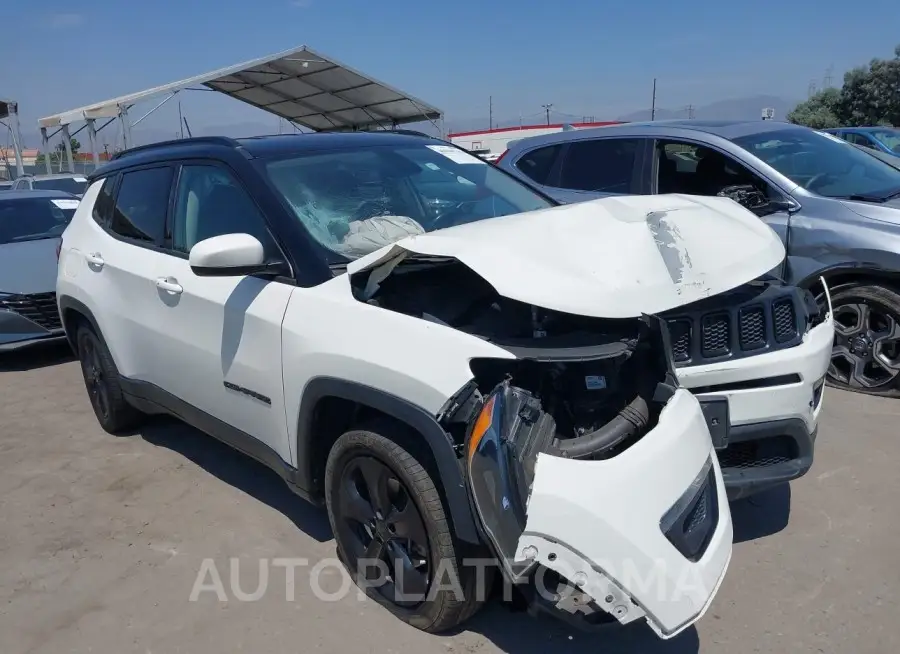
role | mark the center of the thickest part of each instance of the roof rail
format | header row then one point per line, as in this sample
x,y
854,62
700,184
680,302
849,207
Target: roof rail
x,y
410,132
210,140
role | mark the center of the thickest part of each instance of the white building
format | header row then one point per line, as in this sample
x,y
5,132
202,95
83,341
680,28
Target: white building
x,y
496,141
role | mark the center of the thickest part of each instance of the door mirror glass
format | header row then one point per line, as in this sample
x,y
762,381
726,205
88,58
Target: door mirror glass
x,y
228,255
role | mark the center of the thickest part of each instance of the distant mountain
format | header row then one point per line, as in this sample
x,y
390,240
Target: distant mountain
x,y
749,108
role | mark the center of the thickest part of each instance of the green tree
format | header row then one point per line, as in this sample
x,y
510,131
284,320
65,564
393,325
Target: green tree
x,y
61,147
870,95
821,111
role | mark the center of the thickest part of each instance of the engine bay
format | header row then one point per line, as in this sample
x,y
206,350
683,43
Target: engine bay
x,y
592,383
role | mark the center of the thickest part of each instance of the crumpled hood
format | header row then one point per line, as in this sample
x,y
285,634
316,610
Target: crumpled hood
x,y
616,257
28,267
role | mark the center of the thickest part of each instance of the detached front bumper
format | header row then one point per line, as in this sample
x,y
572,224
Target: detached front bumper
x,y
774,401
644,534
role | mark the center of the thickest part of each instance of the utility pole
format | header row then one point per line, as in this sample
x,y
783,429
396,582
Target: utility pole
x,y
653,103
180,120
547,108
811,89
690,111
829,76
490,112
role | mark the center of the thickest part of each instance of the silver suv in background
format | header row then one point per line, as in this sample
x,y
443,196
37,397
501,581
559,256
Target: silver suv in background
x,y
835,207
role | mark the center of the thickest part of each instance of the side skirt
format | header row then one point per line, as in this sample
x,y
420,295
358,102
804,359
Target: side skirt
x,y
153,400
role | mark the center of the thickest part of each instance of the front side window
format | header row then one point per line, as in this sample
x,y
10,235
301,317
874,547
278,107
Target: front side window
x,y
823,164
32,219
603,165
537,165
209,202
357,200
697,170
141,205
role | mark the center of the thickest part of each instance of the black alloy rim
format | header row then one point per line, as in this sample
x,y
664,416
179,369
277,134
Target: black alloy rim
x,y
866,352
383,532
94,378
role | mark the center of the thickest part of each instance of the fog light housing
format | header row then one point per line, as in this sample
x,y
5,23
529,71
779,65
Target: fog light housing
x,y
691,522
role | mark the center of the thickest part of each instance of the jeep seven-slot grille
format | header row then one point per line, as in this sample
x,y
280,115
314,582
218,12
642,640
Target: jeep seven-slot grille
x,y
715,330
38,307
785,320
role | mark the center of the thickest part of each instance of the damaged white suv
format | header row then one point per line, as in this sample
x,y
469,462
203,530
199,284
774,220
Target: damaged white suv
x,y
456,368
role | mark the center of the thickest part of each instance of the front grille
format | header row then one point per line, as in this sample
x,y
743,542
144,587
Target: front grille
x,y
37,307
715,333
680,332
763,453
742,323
785,320
752,328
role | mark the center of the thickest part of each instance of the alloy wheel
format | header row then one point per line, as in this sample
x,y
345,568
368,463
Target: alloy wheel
x,y
866,352
384,535
95,379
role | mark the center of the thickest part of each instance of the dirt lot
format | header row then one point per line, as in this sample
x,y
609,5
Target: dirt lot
x,y
102,540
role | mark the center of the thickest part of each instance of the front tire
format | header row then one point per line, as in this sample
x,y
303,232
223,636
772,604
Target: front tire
x,y
384,509
866,353
101,379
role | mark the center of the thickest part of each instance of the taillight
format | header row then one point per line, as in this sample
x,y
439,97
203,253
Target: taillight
x,y
497,160
58,249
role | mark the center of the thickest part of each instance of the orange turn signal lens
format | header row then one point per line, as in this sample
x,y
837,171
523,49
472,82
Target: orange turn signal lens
x,y
482,424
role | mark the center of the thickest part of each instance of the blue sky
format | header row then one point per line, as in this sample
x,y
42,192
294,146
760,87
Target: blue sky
x,y
586,58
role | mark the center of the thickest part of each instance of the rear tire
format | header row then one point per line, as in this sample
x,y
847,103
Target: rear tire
x,y
867,340
102,382
357,459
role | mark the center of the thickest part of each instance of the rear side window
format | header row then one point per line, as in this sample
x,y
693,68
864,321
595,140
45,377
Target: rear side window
x,y
103,206
538,164
605,165
141,204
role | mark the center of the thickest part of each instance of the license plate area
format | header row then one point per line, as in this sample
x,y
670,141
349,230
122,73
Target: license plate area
x,y
715,410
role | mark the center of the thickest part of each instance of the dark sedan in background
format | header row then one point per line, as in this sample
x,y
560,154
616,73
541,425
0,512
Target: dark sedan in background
x,y
836,208
31,223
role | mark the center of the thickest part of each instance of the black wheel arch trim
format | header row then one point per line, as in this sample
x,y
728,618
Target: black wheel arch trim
x,y
439,442
857,271
67,303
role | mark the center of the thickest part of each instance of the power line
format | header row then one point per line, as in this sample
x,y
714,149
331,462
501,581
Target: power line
x,y
547,108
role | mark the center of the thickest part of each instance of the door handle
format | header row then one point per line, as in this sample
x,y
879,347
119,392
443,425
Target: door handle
x,y
95,260
169,287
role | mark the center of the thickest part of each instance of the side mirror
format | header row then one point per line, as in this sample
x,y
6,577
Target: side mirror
x,y
752,199
229,255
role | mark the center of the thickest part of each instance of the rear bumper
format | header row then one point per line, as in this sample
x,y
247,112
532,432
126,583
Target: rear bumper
x,y
599,525
774,403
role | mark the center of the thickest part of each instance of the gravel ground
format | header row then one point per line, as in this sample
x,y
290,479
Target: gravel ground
x,y
102,539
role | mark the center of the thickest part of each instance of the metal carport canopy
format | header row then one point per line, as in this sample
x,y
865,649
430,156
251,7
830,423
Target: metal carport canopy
x,y
299,85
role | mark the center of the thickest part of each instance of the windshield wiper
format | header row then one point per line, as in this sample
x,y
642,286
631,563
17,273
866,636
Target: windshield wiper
x,y
873,197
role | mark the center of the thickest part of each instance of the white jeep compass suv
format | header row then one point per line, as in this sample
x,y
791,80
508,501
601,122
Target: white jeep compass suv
x,y
454,366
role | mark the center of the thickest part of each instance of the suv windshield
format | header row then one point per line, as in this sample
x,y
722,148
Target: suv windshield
x,y
31,219
355,201
75,185
824,164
